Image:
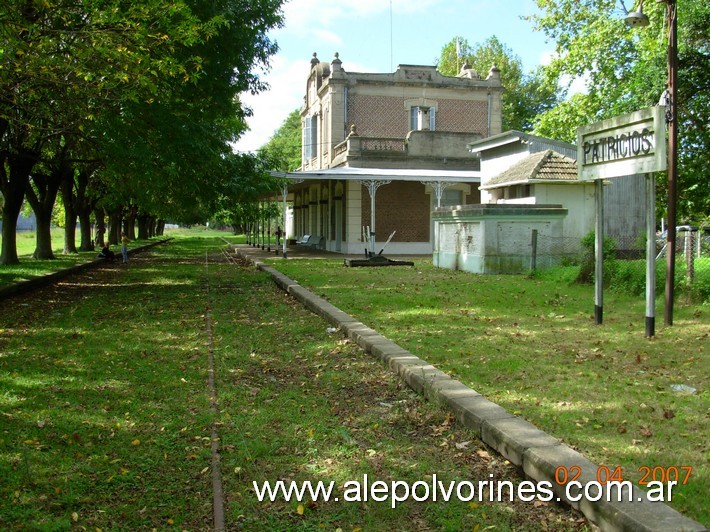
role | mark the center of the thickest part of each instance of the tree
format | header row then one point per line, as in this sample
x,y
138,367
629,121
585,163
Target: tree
x,y
160,70
172,157
41,194
562,121
64,63
246,181
284,147
626,70
525,95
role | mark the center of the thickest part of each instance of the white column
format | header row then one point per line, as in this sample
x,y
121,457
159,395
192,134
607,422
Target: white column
x,y
372,185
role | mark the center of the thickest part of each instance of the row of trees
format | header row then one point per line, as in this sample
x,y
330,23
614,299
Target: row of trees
x,y
624,70
127,109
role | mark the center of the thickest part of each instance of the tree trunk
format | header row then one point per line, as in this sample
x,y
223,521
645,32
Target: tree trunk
x,y
160,228
13,191
100,215
67,191
42,194
85,230
143,227
10,214
43,239
129,223
69,234
84,206
114,228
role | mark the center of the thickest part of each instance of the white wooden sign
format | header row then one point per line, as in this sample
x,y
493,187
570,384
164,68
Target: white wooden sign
x,y
629,144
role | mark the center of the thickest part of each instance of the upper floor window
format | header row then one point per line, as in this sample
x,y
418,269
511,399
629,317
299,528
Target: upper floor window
x,y
419,113
310,137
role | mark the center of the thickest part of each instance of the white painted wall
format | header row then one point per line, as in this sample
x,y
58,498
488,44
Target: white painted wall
x,y
353,216
578,199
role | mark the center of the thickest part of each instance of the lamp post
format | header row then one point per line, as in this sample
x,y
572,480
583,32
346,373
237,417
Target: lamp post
x,y
638,19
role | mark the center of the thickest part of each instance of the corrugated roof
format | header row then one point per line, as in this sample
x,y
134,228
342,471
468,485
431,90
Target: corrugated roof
x,y
541,167
513,136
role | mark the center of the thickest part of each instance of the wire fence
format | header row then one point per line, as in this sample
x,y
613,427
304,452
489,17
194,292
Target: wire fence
x,y
692,256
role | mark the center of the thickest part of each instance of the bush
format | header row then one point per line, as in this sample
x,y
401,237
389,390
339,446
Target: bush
x,y
699,290
629,276
586,269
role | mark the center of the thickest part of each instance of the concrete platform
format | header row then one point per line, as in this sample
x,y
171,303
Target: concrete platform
x,y
303,252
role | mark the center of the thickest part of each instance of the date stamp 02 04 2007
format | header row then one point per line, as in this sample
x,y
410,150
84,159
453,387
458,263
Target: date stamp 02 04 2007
x,y
677,474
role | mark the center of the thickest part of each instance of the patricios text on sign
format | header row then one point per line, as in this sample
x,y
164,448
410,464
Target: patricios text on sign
x,y
618,147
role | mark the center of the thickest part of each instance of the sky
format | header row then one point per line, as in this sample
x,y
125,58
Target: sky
x,y
376,36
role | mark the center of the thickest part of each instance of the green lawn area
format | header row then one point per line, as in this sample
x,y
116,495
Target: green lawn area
x,y
531,345
105,414
30,267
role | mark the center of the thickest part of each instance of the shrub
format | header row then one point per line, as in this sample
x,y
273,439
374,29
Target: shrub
x,y
629,276
586,269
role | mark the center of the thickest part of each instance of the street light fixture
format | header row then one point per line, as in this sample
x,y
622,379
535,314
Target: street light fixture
x,y
638,19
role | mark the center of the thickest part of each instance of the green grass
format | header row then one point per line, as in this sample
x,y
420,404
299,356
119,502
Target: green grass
x,y
531,346
101,401
30,267
105,413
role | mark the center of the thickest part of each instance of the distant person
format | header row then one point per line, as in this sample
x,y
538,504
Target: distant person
x,y
106,253
279,234
124,247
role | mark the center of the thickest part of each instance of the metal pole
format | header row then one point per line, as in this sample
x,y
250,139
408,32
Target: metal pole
x,y
650,255
672,159
599,254
284,191
439,191
255,225
263,225
255,240
372,222
533,255
268,227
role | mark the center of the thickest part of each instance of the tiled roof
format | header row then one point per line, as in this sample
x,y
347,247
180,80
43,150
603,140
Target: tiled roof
x,y
544,166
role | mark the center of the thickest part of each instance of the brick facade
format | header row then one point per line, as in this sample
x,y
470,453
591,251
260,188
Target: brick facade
x,y
378,116
401,206
464,116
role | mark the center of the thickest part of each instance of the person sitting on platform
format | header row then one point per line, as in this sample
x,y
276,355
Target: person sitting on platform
x,y
106,253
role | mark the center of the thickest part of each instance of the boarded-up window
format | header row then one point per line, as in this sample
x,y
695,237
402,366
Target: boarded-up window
x,y
310,137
